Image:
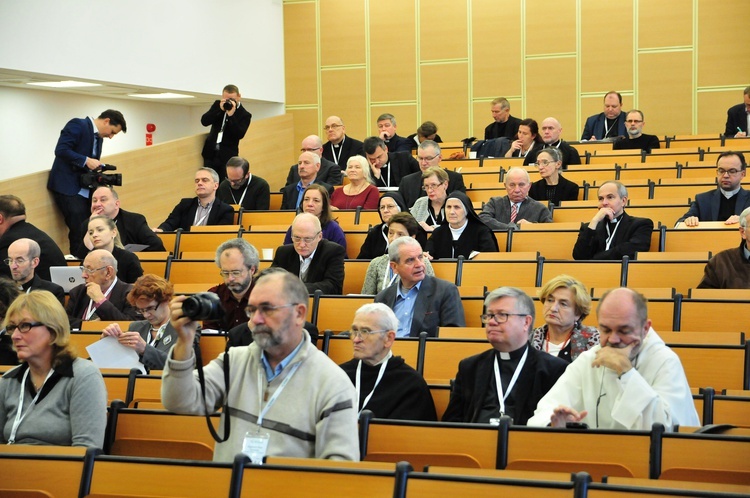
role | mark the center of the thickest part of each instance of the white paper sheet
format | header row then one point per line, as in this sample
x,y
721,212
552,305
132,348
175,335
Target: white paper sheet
x,y
109,353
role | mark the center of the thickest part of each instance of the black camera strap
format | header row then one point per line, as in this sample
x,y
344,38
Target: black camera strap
x,y
202,381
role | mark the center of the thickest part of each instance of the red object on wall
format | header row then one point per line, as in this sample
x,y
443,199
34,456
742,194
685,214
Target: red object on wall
x,y
150,129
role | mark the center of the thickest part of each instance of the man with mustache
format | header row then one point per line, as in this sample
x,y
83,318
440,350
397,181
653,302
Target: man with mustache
x,y
631,380
284,396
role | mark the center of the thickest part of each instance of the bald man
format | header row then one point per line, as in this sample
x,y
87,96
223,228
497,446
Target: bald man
x,y
23,258
329,172
340,146
551,131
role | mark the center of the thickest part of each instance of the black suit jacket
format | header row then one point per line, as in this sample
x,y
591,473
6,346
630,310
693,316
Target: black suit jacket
x,y
183,215
50,255
736,118
438,304
40,284
410,187
632,235
257,197
132,228
398,143
116,307
289,194
328,173
326,271
349,148
511,128
234,130
400,165
476,376
565,191
706,205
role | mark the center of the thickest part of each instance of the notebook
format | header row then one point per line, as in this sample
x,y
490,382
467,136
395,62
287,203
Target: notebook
x,y
66,277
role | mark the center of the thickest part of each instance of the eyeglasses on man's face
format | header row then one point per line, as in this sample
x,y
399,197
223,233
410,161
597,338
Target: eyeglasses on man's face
x,y
307,240
266,310
233,273
332,127
499,317
722,172
18,261
357,333
91,271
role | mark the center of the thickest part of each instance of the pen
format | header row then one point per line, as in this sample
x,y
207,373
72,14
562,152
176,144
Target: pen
x,y
739,129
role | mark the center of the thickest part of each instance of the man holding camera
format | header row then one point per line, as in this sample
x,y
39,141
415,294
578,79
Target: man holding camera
x,y
229,121
78,151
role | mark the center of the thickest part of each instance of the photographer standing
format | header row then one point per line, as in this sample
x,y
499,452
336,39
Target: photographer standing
x,y
229,122
78,151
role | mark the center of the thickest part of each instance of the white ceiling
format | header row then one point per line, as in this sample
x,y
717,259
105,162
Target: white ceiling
x,y
19,79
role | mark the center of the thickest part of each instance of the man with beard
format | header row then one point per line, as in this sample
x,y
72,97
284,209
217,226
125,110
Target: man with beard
x,y
285,397
631,380
635,138
238,261
240,187
23,258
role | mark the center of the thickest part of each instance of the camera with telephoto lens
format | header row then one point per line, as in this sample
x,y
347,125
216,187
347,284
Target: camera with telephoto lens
x,y
203,306
228,104
97,178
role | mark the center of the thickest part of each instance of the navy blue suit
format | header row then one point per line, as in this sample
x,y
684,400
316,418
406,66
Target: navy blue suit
x,y
706,205
736,118
594,126
76,143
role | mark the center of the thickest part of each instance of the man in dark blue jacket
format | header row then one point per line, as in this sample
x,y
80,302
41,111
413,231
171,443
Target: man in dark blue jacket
x,y
78,150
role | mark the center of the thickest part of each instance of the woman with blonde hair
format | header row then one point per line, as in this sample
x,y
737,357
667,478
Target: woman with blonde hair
x,y
52,397
104,235
360,192
566,304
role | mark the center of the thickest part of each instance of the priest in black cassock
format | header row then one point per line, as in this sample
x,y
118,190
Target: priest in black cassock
x,y
510,378
385,384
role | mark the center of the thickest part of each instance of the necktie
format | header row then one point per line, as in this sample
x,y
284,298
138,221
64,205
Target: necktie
x,y
95,150
513,212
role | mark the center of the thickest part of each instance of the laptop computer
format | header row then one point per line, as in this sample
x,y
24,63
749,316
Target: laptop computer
x,y
66,277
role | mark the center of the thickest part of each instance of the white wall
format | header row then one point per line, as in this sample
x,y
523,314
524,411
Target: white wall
x,y
31,120
189,45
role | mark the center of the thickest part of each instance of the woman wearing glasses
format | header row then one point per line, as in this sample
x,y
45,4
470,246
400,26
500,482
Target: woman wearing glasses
x,y
379,273
103,234
315,201
429,211
566,303
360,192
150,338
552,186
53,397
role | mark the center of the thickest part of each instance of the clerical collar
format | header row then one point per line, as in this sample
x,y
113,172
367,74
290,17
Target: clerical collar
x,y
728,194
554,144
513,355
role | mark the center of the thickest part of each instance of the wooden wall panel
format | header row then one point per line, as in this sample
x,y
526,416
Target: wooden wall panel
x,y
306,122
405,114
269,147
393,59
342,32
344,95
712,109
445,103
549,93
496,48
300,54
723,48
606,46
436,19
666,23
546,37
663,95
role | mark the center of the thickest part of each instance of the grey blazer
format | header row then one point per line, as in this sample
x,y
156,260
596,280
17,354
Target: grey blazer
x,y
438,304
496,213
155,357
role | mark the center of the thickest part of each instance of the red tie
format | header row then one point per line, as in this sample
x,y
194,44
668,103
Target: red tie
x,y
513,212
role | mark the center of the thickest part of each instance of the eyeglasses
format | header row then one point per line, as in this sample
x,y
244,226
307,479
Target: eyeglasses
x,y
309,149
265,309
430,188
89,270
237,182
148,309
332,127
719,171
307,240
22,327
427,159
18,261
544,162
499,317
633,121
355,333
234,273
